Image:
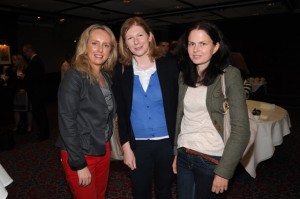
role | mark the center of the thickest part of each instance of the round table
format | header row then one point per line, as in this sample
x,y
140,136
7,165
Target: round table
x,y
271,130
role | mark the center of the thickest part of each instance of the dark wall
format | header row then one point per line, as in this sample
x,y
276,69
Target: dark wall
x,y
269,44
8,29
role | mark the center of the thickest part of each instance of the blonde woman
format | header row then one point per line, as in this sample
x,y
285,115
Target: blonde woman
x,y
21,102
86,108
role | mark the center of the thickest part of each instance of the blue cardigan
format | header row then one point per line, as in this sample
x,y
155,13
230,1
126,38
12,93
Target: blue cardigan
x,y
167,70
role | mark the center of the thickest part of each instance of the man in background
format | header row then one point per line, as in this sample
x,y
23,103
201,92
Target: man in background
x,y
34,76
164,47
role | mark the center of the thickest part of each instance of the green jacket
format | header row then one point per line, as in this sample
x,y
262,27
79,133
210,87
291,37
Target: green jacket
x,y
240,131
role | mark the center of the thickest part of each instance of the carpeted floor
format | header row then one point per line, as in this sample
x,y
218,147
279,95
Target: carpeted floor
x,y
37,173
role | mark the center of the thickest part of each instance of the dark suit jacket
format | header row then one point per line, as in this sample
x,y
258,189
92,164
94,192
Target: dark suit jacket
x,y
167,70
34,78
82,115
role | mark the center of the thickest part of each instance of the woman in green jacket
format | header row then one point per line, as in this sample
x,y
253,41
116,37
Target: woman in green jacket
x,y
203,163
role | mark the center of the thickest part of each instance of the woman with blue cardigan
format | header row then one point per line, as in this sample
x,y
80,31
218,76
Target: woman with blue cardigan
x,y
145,87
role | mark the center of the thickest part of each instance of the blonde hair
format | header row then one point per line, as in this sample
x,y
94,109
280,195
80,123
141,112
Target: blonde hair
x,y
21,63
125,56
81,60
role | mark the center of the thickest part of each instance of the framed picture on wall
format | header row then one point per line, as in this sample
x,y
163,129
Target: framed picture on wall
x,y
4,55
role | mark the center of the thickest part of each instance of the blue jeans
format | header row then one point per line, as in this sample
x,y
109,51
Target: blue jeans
x,y
195,176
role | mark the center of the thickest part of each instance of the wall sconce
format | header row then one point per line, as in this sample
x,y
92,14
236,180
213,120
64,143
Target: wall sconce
x,y
4,54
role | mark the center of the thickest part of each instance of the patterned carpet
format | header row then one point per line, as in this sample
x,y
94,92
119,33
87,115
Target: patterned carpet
x,y
37,173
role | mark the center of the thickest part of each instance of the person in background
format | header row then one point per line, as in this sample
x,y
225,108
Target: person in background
x,y
21,101
173,51
164,46
5,76
247,84
66,64
86,108
146,89
34,76
7,81
174,48
202,163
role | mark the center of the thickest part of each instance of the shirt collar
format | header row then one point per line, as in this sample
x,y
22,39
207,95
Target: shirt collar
x,y
136,69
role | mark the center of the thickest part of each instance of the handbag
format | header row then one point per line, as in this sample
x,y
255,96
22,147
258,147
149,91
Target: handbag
x,y
115,145
227,127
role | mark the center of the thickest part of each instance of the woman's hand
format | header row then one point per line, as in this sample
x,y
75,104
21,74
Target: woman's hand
x,y
174,165
129,158
84,176
20,75
219,185
21,91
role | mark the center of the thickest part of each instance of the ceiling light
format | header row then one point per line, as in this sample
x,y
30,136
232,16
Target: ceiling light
x,y
24,5
271,4
138,13
126,1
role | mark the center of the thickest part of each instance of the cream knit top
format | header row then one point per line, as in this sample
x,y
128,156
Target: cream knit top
x,y
197,130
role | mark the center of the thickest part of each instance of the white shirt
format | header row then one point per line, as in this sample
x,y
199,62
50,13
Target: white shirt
x,y
144,75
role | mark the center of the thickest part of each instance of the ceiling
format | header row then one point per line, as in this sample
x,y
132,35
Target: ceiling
x,y
157,12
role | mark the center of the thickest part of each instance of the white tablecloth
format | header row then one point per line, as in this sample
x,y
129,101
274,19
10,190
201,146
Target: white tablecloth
x,y
271,130
5,180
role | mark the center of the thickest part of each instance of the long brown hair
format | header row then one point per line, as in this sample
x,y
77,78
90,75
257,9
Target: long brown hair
x,y
125,56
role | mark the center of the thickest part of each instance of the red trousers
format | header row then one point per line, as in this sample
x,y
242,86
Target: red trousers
x,y
99,168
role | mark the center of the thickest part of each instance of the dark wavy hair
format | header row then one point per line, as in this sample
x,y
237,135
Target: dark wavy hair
x,y
218,62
